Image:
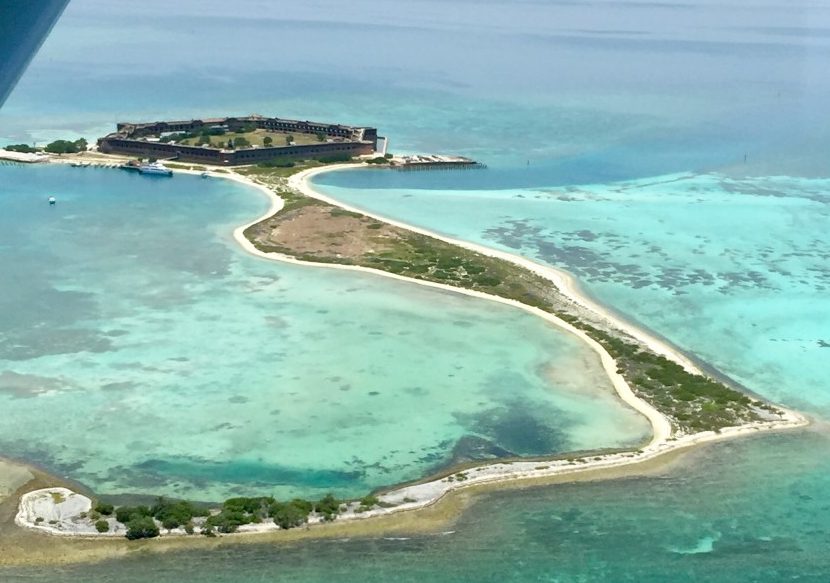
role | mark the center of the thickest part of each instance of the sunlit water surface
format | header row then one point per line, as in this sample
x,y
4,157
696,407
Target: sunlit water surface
x,y
743,511
672,155
733,269
142,351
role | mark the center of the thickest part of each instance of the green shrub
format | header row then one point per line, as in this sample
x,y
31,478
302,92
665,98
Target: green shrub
x,y
367,503
125,513
249,505
174,514
449,262
304,505
66,147
338,212
473,269
103,508
24,148
328,507
335,158
486,280
142,527
102,526
229,519
288,514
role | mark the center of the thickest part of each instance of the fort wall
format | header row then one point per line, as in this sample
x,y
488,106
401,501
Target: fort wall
x,y
131,139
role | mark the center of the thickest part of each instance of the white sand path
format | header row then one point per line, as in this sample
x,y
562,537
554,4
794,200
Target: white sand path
x,y
427,493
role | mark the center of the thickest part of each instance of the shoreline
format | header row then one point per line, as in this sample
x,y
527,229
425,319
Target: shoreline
x,y
428,493
661,428
565,282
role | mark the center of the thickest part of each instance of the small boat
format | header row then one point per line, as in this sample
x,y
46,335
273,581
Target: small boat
x,y
155,168
205,174
52,201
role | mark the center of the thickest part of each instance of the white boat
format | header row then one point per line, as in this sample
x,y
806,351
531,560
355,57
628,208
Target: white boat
x,y
155,168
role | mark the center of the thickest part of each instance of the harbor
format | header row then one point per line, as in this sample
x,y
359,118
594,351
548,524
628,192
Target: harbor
x,y
96,158
435,162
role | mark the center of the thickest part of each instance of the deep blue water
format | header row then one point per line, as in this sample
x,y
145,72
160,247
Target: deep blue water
x,y
743,511
561,100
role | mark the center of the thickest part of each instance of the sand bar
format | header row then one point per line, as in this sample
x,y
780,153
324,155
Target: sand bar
x,y
427,493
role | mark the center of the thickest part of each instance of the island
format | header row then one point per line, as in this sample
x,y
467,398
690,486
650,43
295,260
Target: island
x,y
686,402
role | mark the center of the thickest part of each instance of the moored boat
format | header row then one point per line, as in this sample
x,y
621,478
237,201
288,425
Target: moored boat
x,y
155,168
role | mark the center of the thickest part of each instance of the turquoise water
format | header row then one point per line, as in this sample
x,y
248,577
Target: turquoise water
x,y
143,352
733,269
576,108
635,89
743,511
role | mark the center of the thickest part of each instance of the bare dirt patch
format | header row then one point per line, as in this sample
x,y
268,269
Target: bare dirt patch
x,y
323,232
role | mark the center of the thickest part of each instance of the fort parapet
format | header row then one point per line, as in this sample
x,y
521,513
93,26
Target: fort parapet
x,y
147,140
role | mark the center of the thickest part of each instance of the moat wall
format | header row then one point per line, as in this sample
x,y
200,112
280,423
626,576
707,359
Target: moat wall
x,y
142,149
130,139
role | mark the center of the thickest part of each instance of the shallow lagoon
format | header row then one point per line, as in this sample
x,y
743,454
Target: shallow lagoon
x,y
747,510
660,88
143,352
733,269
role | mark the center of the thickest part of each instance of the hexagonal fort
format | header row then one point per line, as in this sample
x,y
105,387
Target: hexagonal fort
x,y
232,141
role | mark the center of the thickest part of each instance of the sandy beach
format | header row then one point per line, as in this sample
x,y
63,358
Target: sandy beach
x,y
663,439
564,281
429,492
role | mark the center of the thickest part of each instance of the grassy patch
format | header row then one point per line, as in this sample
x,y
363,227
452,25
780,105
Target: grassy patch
x,y
338,212
692,402
256,137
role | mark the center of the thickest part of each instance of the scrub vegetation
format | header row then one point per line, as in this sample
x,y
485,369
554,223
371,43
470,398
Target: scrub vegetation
x,y
147,521
314,231
56,147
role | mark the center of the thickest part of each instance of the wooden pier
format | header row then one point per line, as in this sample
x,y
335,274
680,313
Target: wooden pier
x,y
436,162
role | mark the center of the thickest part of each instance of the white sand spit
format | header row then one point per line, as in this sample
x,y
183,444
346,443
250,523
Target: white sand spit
x,y
67,514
